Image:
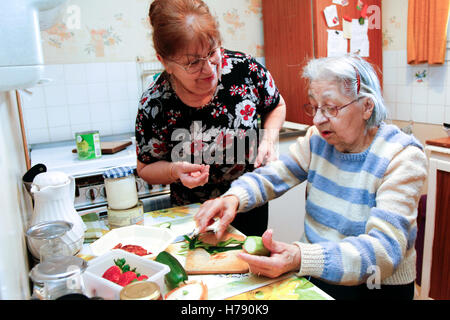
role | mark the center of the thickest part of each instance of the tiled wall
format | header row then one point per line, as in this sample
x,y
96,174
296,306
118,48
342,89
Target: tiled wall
x,y
81,97
419,93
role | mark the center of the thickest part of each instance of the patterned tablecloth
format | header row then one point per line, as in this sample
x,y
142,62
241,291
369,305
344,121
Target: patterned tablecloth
x,y
224,286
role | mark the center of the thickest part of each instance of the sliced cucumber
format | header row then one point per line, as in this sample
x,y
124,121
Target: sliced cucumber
x,y
254,245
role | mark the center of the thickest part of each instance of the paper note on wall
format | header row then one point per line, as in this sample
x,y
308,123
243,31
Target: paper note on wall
x,y
359,43
337,44
347,27
331,16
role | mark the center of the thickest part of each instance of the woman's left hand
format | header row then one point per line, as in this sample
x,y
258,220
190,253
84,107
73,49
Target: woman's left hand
x,y
283,258
266,152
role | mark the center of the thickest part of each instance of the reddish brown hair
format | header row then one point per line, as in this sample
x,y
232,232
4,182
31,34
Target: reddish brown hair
x,y
179,23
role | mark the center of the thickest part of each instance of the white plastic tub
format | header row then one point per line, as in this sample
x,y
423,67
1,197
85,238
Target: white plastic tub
x,y
97,286
153,239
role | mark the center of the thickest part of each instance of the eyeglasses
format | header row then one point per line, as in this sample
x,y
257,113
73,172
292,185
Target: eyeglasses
x,y
328,111
197,65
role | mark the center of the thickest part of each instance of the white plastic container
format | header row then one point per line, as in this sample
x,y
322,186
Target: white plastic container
x,y
95,285
120,187
153,239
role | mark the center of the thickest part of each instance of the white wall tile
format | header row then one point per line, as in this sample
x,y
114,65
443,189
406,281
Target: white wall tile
x,y
390,93
115,71
419,95
58,116
37,135
119,127
77,94
391,110
60,133
389,76
402,58
79,114
404,94
389,59
103,127
131,71
75,73
34,100
55,95
404,111
100,111
447,114
118,91
437,76
447,96
97,92
96,73
83,97
403,76
435,114
133,90
119,110
36,118
419,112
133,109
436,95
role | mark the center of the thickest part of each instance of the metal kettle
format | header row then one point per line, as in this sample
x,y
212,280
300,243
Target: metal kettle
x,y
54,195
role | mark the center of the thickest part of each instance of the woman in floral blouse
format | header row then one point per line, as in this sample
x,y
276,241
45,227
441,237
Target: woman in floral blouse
x,y
197,127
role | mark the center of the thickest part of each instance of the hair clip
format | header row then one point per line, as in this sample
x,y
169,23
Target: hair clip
x,y
358,80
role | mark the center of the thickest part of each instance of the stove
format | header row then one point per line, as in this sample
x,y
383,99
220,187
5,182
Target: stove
x,y
89,183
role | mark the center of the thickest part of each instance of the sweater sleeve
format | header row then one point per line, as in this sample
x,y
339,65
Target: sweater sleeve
x,y
271,181
389,233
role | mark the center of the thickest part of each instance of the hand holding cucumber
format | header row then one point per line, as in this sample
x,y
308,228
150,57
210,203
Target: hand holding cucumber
x,y
223,208
283,257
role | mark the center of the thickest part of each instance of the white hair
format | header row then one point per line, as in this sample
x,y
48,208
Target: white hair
x,y
345,70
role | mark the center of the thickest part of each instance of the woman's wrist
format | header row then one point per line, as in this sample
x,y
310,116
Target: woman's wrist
x,y
173,172
233,201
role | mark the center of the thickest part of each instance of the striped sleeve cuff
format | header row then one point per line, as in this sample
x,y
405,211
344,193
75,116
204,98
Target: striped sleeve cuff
x,y
242,195
312,259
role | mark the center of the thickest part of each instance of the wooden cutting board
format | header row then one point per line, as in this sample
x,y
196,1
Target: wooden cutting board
x,y
199,261
440,142
111,147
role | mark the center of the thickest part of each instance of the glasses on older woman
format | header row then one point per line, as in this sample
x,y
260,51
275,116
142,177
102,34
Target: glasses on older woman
x,y
328,111
197,64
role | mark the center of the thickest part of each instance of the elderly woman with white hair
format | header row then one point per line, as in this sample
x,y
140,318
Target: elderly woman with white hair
x,y
364,179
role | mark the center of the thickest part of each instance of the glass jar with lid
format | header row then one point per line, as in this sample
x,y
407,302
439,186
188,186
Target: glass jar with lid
x,y
120,187
57,277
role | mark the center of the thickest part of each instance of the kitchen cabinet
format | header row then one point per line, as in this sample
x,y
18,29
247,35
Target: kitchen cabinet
x,y
435,281
295,31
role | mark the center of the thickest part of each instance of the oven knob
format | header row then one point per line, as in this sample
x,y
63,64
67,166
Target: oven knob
x,y
103,192
91,194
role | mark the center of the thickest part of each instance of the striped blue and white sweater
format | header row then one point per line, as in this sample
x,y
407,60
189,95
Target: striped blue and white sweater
x,y
361,208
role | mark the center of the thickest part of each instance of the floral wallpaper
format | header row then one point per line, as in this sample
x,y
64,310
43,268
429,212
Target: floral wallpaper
x,y
395,23
118,30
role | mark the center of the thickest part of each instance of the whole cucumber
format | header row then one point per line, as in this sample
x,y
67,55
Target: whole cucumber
x,y
177,274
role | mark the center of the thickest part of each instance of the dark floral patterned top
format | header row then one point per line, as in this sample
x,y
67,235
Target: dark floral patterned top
x,y
221,134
